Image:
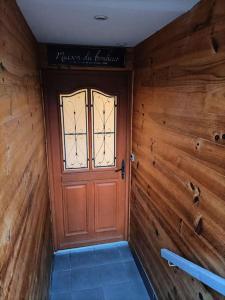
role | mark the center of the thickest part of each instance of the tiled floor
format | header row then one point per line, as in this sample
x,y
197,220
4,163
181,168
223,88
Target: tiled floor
x,y
104,272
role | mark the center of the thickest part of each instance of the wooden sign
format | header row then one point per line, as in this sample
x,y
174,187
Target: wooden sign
x,y
86,56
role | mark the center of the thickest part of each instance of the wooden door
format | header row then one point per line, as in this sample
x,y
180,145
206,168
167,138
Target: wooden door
x,y
87,118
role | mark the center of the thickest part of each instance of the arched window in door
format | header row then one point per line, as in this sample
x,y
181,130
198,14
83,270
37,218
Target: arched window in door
x,y
76,109
74,124
103,129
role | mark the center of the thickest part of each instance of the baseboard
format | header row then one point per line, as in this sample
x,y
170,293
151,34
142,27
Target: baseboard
x,y
144,275
92,247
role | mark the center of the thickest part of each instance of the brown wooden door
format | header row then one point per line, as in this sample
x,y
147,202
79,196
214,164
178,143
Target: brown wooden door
x,y
87,118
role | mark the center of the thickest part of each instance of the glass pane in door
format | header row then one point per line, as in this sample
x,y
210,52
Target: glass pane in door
x,y
104,109
74,124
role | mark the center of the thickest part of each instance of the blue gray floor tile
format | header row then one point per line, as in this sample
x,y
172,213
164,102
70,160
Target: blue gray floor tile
x,y
106,272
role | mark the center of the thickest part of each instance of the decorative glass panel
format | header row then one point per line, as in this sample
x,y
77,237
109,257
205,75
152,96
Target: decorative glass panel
x,y
104,109
74,111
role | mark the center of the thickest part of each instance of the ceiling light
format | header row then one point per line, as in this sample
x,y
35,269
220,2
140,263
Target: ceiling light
x,y
121,44
101,17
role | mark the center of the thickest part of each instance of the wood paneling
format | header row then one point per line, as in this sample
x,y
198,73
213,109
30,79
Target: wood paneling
x,y
106,206
76,215
178,179
25,241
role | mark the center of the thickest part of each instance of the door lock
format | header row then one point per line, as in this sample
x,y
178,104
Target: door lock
x,y
122,169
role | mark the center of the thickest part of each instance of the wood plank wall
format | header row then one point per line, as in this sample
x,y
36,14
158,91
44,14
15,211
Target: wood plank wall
x,y
178,179
25,235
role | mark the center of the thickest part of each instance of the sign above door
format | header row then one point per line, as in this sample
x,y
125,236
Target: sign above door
x,y
86,56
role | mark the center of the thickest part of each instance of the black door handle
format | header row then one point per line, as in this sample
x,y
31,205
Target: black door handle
x,y
122,169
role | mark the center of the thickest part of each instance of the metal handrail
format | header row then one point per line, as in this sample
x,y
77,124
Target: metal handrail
x,y
208,278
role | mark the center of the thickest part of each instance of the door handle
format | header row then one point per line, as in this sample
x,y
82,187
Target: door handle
x,y
122,169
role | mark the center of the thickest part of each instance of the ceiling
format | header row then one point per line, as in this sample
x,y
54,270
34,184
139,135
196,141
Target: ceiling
x,y
72,21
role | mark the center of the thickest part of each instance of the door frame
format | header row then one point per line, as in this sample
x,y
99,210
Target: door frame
x,y
44,74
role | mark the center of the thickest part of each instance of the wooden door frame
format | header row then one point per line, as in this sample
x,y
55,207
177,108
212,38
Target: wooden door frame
x,y
49,151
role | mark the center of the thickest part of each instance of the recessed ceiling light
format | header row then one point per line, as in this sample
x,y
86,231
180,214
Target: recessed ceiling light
x,y
101,17
121,44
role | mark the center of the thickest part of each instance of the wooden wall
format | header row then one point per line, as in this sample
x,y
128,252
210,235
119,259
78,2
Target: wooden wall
x,y
25,239
178,179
